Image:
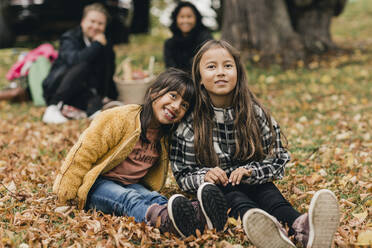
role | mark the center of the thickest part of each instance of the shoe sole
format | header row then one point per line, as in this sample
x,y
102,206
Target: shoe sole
x,y
182,214
324,218
213,206
262,230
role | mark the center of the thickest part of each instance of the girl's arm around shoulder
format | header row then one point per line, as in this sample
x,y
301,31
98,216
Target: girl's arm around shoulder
x,y
104,133
272,167
189,175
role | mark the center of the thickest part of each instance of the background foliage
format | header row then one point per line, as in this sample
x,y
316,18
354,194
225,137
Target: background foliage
x,y
324,108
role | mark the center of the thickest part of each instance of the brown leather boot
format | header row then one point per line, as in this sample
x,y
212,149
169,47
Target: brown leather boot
x,y
177,217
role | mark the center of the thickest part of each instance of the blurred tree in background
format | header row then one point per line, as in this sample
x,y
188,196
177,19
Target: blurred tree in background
x,y
283,31
140,22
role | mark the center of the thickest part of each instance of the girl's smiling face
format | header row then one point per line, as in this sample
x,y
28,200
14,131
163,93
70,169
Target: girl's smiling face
x,y
168,109
186,20
218,75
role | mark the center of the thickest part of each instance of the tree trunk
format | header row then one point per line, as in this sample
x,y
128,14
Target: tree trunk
x,y
219,12
141,17
262,25
311,19
281,30
7,37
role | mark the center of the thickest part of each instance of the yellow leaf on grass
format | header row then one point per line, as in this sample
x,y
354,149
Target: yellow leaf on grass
x,y
353,100
361,216
326,79
349,160
365,237
232,221
256,58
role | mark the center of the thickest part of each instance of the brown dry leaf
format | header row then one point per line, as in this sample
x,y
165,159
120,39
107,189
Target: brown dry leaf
x,y
324,110
358,219
313,179
297,191
348,203
349,160
364,196
62,209
11,187
224,244
361,216
95,225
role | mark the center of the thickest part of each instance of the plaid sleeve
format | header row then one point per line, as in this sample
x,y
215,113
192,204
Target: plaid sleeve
x,y
272,167
188,174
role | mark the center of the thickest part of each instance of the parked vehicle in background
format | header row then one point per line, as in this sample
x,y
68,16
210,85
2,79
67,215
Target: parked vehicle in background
x,y
42,18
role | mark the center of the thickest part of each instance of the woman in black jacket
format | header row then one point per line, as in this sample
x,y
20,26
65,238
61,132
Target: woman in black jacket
x,y
188,35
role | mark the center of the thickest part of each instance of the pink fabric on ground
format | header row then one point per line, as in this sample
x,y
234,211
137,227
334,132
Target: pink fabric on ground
x,y
46,50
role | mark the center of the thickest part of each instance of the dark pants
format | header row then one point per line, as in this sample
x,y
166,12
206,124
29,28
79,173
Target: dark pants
x,y
266,196
80,87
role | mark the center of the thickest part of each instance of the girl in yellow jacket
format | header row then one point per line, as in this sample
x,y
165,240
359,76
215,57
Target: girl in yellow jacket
x,y
121,161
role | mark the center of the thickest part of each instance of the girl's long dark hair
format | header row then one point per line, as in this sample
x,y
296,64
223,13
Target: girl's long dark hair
x,y
170,80
198,25
248,139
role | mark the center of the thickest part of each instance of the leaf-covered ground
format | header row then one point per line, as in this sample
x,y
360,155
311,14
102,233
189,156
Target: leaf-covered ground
x,y
324,109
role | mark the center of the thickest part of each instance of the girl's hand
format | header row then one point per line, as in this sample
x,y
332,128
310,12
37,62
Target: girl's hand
x,y
237,175
216,176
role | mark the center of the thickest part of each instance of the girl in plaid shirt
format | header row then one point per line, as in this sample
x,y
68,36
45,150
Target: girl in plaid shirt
x,y
232,141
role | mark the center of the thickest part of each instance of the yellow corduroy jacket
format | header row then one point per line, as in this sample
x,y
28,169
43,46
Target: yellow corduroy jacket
x,y
108,140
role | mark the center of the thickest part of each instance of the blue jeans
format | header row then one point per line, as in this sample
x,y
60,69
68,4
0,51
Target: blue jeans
x,y
113,197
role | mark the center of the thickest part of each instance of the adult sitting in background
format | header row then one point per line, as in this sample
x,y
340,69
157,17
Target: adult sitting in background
x,y
188,35
81,77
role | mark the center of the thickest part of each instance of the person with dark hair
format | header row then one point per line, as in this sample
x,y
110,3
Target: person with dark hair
x,y
81,77
232,141
189,34
121,161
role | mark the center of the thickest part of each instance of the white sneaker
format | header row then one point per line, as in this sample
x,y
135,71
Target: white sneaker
x,y
264,231
324,219
53,115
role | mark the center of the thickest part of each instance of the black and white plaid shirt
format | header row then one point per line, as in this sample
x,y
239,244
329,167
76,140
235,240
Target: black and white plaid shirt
x,y
190,175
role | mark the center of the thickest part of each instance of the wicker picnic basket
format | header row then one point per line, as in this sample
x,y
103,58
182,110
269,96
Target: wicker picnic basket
x,y
132,89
